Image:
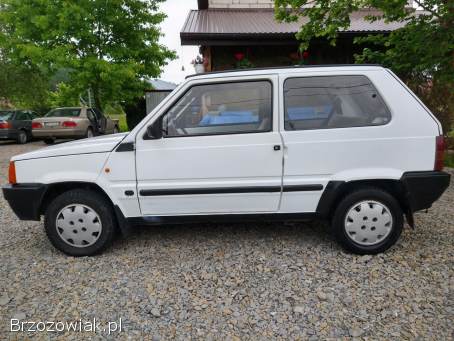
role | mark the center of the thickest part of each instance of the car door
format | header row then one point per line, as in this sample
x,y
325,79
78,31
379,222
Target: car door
x,y
220,152
102,121
22,120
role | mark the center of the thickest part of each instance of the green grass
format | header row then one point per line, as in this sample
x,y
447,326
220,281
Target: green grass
x,y
116,112
122,118
449,160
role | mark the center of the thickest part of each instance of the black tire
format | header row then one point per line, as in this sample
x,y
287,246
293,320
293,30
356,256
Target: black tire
x,y
89,133
49,141
98,204
360,195
22,137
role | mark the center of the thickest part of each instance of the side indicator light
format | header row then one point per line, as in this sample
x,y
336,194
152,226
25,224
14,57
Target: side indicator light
x,y
12,173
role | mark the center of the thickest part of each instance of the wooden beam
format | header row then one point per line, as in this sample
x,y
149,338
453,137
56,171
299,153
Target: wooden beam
x,y
203,4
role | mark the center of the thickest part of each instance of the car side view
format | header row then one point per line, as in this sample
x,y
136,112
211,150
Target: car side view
x,y
348,144
73,123
16,125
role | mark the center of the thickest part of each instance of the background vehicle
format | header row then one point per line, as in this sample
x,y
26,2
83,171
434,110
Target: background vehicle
x,y
16,125
73,123
349,144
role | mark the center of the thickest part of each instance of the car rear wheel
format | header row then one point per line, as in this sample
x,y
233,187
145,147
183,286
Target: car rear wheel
x,y
368,221
22,137
80,223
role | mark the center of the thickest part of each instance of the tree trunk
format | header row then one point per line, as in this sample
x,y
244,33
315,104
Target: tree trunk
x,y
97,97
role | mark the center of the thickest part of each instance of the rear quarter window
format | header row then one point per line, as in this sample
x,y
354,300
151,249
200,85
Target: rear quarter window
x,y
333,102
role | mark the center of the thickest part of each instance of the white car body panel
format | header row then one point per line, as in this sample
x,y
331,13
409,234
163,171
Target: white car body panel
x,y
406,143
98,144
69,168
217,161
307,157
121,178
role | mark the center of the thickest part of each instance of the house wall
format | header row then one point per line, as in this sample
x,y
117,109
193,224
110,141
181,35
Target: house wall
x,y
241,3
319,52
153,98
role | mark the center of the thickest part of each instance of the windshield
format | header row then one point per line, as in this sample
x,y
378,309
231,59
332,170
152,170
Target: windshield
x,y
63,113
6,115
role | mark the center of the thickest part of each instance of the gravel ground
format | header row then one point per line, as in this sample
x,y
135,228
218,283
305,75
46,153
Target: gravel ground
x,y
242,281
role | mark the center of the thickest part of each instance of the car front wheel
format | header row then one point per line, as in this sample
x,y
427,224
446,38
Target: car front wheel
x,y
80,223
368,221
89,133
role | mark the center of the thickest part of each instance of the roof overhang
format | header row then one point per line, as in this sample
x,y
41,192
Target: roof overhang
x,y
213,27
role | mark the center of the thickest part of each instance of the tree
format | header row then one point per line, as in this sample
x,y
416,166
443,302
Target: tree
x,y
421,53
109,46
23,85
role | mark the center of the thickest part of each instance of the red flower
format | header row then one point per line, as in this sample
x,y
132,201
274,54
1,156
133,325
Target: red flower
x,y
239,56
305,54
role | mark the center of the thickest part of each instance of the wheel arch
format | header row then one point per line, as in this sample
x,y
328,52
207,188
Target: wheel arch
x,y
55,189
335,191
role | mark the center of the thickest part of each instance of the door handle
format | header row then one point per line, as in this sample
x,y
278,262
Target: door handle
x,y
277,147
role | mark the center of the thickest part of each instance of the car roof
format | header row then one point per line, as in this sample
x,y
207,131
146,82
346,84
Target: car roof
x,y
285,69
68,108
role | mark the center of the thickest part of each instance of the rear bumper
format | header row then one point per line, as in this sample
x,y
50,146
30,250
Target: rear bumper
x,y
61,133
25,199
422,189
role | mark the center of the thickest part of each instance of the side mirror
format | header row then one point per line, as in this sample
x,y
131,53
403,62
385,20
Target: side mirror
x,y
154,131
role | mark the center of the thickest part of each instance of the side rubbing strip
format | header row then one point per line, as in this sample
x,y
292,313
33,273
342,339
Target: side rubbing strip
x,y
227,190
303,188
221,190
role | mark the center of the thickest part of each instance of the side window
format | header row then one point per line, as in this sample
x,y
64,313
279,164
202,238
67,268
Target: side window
x,y
227,108
97,113
21,116
332,102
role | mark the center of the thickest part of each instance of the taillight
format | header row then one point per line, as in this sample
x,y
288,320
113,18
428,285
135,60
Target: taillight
x,y
36,125
5,125
12,173
439,153
69,124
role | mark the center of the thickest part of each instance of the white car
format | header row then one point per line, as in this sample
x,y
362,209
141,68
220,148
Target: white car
x,y
350,144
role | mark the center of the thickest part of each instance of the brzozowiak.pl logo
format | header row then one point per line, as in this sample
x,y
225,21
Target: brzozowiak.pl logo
x,y
80,326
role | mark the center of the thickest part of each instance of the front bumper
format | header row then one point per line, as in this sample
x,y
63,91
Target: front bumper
x,y
25,199
422,189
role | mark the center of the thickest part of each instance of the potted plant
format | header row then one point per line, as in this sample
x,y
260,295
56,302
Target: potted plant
x,y
242,62
198,64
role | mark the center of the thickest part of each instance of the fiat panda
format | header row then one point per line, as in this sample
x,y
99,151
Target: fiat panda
x,y
348,144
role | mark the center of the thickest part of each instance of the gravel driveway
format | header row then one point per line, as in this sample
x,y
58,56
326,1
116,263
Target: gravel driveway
x,y
232,281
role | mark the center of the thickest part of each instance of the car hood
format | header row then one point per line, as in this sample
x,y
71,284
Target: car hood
x,y
101,144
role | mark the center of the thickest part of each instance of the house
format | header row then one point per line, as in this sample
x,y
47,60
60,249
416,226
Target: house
x,y
230,32
159,90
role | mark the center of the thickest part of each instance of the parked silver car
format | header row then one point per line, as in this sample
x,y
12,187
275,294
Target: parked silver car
x,y
73,123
